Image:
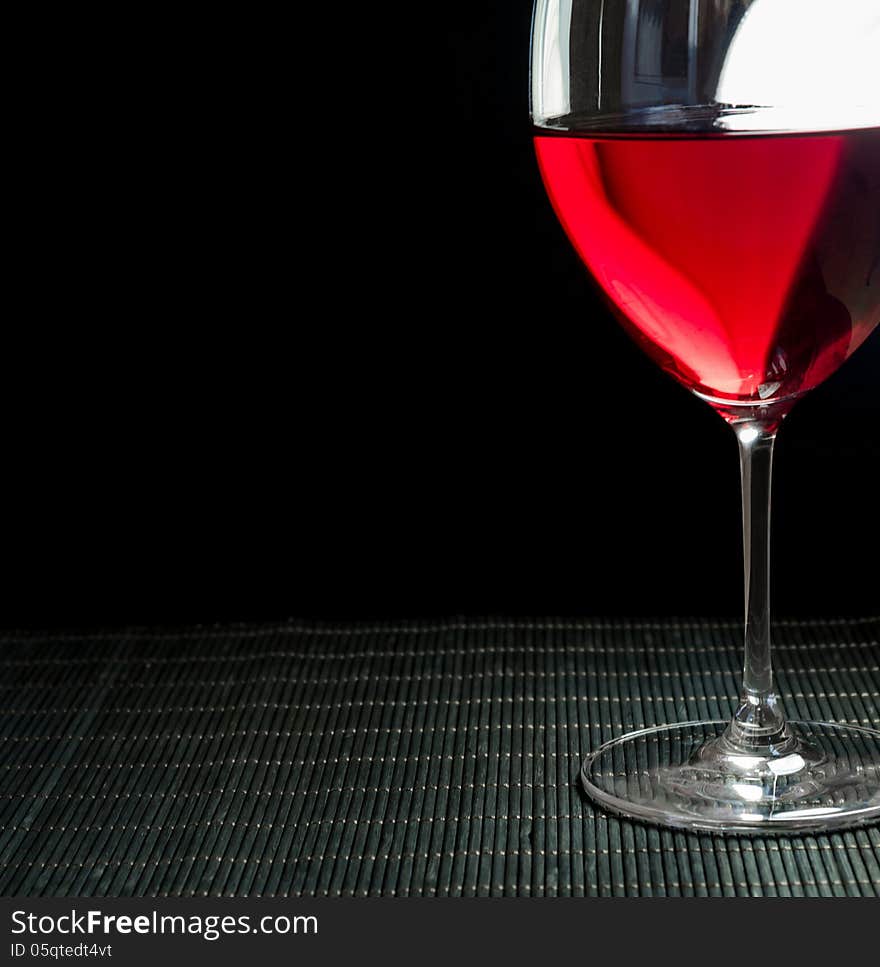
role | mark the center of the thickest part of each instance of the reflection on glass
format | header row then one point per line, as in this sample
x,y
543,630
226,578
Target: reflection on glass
x,y
811,68
662,40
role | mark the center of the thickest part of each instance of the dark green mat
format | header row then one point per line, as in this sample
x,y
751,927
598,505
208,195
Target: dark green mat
x,y
405,759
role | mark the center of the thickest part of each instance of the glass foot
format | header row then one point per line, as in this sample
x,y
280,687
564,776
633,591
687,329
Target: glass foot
x,y
689,776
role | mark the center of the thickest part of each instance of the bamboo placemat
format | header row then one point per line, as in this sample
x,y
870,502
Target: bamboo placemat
x,y
405,758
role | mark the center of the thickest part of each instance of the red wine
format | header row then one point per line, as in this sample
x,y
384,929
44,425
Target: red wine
x,y
747,266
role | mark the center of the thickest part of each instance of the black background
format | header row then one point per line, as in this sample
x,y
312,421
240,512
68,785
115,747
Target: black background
x,y
297,333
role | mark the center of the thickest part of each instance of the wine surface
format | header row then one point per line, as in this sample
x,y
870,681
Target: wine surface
x,y
747,266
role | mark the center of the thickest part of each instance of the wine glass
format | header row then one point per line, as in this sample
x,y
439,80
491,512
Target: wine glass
x,y
716,164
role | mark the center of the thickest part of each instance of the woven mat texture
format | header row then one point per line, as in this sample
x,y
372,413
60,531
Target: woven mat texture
x,y
408,759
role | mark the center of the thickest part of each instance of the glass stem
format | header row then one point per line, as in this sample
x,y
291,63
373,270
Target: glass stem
x,y
758,723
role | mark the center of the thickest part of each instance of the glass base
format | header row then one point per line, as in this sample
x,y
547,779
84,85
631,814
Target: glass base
x,y
690,776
